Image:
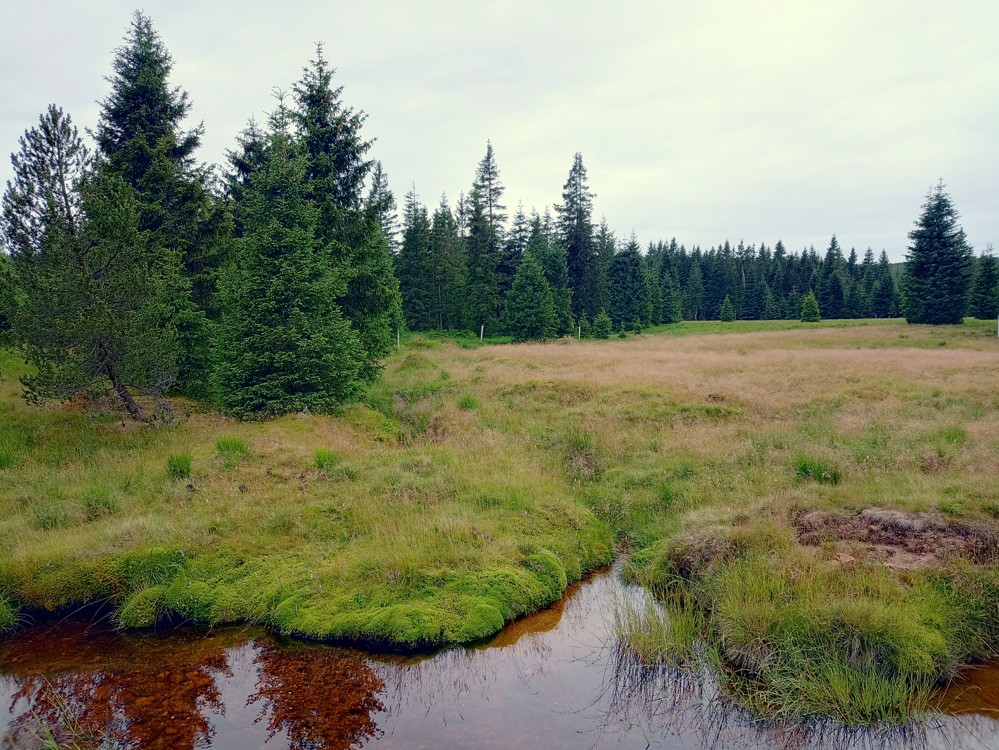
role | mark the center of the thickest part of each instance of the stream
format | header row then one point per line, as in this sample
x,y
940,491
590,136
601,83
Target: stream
x,y
551,680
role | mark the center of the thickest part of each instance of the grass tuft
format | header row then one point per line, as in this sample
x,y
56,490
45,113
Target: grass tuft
x,y
324,459
818,470
231,450
179,465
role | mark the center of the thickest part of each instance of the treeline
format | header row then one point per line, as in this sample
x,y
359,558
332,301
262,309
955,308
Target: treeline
x,y
541,275
129,265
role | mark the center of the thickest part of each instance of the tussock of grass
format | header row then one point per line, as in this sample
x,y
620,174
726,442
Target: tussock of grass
x,y
819,470
231,450
324,459
179,465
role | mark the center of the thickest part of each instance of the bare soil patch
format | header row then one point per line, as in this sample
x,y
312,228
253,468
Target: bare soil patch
x,y
900,540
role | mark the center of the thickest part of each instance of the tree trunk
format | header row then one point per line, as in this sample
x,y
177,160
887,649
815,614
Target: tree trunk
x,y
131,407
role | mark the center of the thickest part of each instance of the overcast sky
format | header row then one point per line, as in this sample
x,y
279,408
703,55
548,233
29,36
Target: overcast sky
x,y
700,120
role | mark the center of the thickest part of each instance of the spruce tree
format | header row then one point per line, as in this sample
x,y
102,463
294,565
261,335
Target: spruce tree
x,y
938,264
575,221
727,313
484,301
530,308
449,263
283,344
140,137
414,268
381,205
810,309
672,299
7,296
886,301
983,300
547,249
602,325
694,294
249,155
336,168
629,296
92,308
513,249
490,189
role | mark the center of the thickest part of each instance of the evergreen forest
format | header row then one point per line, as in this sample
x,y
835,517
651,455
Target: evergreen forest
x,y
278,282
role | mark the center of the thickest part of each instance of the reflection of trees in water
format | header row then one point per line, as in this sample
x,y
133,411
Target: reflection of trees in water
x,y
154,700
321,699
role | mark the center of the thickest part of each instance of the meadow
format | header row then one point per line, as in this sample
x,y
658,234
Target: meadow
x,y
813,508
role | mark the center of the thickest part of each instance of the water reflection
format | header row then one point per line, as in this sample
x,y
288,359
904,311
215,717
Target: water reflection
x,y
554,680
316,697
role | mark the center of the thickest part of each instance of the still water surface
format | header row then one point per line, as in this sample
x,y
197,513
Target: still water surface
x,y
549,681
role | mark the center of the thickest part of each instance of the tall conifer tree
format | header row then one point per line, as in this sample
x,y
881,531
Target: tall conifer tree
x,y
93,307
336,167
938,264
983,300
140,137
283,343
575,221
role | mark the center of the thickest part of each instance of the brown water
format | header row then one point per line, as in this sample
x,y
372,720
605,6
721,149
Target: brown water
x,y
548,681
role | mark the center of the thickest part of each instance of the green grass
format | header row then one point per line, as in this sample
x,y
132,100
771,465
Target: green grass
x,y
471,485
324,459
816,469
231,450
179,465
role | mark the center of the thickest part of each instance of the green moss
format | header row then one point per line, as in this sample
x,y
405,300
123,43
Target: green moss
x,y
142,609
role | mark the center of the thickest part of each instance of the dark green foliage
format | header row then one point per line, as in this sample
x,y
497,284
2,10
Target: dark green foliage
x,y
694,294
283,342
513,249
672,299
810,309
530,308
727,314
983,300
548,250
885,299
381,204
629,295
347,231
483,303
413,266
449,262
938,264
575,222
93,306
140,138
490,189
602,326
830,289
6,294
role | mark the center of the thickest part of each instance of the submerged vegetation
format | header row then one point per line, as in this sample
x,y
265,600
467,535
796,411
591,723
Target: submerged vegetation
x,y
813,510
